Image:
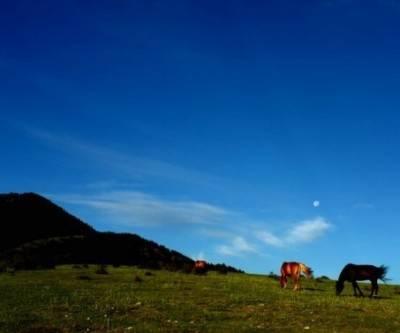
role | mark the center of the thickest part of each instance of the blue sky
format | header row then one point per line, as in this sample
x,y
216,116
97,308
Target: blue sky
x,y
211,127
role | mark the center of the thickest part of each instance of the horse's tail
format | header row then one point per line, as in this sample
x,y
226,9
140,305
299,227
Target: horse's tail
x,y
382,271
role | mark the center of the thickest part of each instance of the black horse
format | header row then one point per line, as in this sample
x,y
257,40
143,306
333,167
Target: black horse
x,y
354,273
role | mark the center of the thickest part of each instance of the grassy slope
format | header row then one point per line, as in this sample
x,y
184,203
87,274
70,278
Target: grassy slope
x,y
57,301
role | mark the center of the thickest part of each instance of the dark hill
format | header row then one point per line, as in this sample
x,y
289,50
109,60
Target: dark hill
x,y
39,234
27,217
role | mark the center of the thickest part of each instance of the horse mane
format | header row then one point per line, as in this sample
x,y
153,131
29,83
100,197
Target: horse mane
x,y
343,274
304,268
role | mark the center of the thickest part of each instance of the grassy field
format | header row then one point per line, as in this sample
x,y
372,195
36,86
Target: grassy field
x,y
134,300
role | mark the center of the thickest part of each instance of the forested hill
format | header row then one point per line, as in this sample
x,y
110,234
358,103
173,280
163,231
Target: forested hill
x,y
37,233
29,216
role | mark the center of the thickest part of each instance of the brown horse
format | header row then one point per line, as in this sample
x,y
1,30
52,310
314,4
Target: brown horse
x,y
200,267
294,270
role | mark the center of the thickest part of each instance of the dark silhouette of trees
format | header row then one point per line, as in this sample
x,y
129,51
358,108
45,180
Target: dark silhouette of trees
x,y
36,233
27,217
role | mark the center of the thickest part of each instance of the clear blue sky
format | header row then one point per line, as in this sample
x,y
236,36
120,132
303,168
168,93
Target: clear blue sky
x,y
235,131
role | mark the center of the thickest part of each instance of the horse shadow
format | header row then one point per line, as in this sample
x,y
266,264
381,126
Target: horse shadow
x,y
314,289
367,297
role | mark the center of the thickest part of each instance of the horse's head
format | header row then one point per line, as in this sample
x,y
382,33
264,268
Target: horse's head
x,y
308,272
339,287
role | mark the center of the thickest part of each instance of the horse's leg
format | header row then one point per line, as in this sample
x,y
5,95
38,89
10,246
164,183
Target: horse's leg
x,y
354,288
296,282
374,288
283,281
359,289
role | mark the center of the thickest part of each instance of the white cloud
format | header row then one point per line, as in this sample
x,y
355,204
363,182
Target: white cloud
x,y
270,239
137,208
302,232
237,247
226,250
308,230
199,256
134,208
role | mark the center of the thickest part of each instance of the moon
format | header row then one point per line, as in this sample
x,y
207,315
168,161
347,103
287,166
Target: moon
x,y
315,203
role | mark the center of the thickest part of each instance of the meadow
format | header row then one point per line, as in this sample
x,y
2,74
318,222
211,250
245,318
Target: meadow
x,y
130,299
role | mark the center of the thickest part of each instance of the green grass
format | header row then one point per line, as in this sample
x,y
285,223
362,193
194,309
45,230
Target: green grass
x,y
59,301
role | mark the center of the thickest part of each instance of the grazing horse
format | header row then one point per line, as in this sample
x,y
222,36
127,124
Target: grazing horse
x,y
200,267
354,273
294,270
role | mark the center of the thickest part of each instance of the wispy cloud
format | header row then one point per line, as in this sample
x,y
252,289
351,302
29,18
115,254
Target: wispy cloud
x,y
363,205
199,256
307,231
237,247
124,164
270,239
302,232
133,208
137,208
217,232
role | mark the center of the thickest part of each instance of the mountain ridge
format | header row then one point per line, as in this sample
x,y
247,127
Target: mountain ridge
x,y
41,234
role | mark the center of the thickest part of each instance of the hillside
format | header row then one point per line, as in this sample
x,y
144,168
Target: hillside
x,y
39,234
129,299
29,216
